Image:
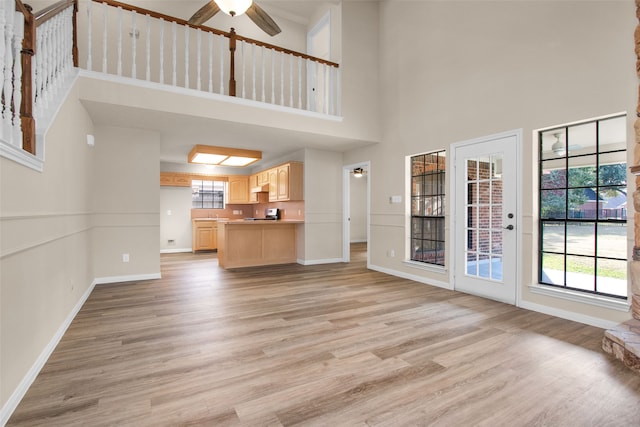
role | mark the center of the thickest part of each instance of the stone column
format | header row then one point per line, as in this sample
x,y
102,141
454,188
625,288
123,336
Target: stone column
x,y
635,169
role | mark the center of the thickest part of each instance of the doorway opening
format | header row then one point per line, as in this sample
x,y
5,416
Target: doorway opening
x,y
356,196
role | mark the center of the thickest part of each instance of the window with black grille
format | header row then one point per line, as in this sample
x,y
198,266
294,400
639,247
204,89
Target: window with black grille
x,y
427,208
207,194
583,207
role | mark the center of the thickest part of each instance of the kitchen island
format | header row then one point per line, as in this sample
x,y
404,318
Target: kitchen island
x,y
243,243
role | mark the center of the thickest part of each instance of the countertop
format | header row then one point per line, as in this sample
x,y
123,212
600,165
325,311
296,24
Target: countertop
x,y
251,221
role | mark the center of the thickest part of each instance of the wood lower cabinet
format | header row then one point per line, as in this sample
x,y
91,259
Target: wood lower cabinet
x,y
254,243
204,235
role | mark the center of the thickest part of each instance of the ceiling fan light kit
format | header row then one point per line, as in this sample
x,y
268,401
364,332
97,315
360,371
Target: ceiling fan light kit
x,y
234,7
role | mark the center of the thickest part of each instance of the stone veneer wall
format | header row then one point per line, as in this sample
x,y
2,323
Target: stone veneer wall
x,y
623,341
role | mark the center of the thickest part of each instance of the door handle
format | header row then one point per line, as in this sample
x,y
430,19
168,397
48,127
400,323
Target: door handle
x,y
509,227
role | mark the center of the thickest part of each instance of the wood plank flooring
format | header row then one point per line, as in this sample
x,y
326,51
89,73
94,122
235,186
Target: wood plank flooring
x,y
327,345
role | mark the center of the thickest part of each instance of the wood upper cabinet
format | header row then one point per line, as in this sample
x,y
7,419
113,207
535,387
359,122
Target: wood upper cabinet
x,y
204,235
238,189
175,179
285,182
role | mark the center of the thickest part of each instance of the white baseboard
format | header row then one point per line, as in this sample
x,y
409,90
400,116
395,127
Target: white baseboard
x,y
320,261
131,278
568,315
358,241
426,281
33,372
175,251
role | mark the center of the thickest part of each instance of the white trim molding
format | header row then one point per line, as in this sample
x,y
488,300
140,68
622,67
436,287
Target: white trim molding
x,y
581,297
415,278
130,278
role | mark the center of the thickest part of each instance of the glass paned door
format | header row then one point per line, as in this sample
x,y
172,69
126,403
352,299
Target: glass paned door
x,y
485,217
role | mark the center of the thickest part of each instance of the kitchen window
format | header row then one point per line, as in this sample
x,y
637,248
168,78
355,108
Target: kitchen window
x,y
583,207
207,194
427,208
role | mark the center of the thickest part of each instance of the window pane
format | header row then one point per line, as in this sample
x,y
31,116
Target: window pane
x,y
553,237
581,238
612,277
553,204
582,176
582,203
612,240
582,139
552,269
581,272
613,174
613,203
554,179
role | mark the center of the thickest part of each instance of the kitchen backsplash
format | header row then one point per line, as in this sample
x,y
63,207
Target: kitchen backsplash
x,y
288,210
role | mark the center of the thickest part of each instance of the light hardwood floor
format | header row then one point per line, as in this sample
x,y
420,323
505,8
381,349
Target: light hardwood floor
x,y
328,345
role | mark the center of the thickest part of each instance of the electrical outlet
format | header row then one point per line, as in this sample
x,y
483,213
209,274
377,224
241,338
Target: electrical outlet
x,y
171,241
299,212
391,253
169,213
125,257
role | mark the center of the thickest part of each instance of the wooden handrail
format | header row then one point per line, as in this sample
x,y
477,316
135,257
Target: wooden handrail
x,y
27,121
168,18
49,12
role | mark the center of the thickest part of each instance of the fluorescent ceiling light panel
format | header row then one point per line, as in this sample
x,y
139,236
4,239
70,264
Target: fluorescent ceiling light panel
x,y
209,155
237,161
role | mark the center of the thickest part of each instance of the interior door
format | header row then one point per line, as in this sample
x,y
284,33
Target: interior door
x,y
485,222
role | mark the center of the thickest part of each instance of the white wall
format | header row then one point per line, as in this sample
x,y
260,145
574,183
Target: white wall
x,y
177,226
453,71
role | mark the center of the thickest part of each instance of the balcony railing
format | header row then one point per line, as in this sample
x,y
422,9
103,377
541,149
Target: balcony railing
x,y
133,42
141,44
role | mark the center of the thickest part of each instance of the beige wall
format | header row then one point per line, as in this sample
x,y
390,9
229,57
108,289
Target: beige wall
x,y
45,229
453,71
323,206
177,226
126,203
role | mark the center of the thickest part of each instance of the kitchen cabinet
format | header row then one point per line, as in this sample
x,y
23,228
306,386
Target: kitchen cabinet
x,y
285,182
204,235
175,179
238,189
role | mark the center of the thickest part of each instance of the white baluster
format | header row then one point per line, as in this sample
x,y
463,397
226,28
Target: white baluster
x,y
186,56
161,56
243,68
119,68
281,78
309,83
199,56
262,54
290,81
105,12
253,72
89,38
338,92
148,46
273,76
3,70
300,83
7,76
17,72
134,41
210,36
326,88
174,29
221,39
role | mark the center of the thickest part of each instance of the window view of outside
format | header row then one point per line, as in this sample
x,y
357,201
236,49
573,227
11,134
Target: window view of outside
x,y
207,194
583,207
427,208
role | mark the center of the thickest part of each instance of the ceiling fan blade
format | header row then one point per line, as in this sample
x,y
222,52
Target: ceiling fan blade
x,y
263,20
204,13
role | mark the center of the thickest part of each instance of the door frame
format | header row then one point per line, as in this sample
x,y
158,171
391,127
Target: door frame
x,y
517,134
346,202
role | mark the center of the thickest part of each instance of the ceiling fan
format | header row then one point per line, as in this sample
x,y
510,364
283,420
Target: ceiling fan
x,y
234,8
559,147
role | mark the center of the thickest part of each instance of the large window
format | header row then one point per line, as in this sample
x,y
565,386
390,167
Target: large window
x,y
583,207
427,208
207,194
